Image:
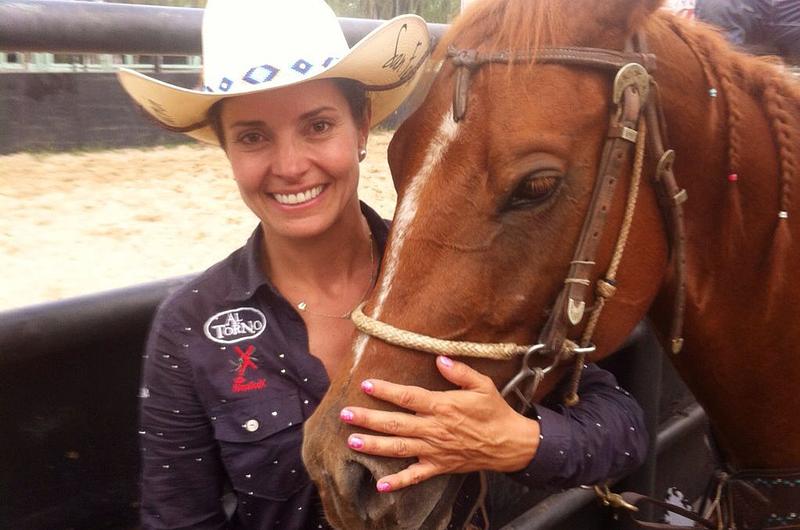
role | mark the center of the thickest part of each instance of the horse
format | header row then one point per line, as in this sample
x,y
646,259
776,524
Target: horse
x,y
497,173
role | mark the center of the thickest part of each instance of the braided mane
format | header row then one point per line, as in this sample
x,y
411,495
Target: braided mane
x,y
737,76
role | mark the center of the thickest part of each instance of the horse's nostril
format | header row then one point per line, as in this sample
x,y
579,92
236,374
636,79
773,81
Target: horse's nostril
x,y
358,478
359,489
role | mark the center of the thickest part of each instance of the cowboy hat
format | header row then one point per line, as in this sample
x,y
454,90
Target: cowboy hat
x,y
257,45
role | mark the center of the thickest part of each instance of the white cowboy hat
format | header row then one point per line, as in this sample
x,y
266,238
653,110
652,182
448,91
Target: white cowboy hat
x,y
255,45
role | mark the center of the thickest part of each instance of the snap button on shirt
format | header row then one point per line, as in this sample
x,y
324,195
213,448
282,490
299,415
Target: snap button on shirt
x,y
251,425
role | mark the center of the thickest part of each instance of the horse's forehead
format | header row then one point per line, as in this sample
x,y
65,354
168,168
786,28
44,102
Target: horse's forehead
x,y
507,106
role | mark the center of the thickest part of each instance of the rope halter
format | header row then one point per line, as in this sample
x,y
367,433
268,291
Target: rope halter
x,y
497,351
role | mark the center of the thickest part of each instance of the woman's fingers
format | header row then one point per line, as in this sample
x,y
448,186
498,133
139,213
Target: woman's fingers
x,y
463,375
393,423
413,474
393,446
411,398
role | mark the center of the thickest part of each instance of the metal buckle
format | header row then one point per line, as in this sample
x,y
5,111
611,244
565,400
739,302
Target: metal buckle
x,y
537,372
665,163
632,74
614,500
524,373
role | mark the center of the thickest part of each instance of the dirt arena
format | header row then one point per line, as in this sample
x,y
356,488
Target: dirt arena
x,y
80,223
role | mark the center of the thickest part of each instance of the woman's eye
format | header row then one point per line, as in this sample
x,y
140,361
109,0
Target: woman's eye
x,y
250,138
320,127
534,189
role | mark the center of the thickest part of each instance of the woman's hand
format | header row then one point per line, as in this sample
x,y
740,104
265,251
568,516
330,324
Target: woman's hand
x,y
455,431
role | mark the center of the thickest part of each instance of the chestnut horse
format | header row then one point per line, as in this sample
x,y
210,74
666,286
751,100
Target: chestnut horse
x,y
492,206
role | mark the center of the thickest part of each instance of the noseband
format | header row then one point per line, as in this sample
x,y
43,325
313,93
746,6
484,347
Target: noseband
x,y
637,119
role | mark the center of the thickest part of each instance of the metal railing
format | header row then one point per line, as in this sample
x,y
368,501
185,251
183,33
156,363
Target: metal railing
x,y
89,27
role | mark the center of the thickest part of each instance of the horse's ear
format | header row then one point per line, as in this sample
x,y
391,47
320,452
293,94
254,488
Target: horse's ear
x,y
629,7
624,15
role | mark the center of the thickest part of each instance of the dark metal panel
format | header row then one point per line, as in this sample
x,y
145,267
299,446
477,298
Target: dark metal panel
x,y
69,377
44,330
90,27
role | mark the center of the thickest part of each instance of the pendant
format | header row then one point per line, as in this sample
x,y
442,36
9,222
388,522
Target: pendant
x,y
302,306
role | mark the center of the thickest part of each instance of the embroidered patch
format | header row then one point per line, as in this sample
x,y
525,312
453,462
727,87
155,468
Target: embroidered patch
x,y
246,360
235,325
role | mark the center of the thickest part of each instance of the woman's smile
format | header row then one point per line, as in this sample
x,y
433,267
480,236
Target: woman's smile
x,y
300,198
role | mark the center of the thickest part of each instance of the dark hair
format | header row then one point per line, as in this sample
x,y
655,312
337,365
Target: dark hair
x,y
353,91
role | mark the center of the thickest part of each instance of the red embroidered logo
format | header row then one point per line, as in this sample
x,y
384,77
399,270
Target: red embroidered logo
x,y
246,360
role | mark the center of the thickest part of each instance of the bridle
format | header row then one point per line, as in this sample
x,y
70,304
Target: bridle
x,y
636,120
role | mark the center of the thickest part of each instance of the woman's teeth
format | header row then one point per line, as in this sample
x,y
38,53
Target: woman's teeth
x,y
298,198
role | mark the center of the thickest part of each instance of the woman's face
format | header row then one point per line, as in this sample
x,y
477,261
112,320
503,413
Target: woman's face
x,y
294,154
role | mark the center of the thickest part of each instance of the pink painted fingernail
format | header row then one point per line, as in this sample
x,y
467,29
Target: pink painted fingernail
x,y
383,487
446,361
367,386
346,415
355,442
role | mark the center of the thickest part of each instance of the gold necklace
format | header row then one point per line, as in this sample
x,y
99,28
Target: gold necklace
x,y
302,305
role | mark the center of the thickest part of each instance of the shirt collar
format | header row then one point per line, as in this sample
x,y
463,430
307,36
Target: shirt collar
x,y
250,276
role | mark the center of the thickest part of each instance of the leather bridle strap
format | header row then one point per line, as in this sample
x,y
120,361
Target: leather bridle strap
x,y
630,93
468,61
671,198
631,88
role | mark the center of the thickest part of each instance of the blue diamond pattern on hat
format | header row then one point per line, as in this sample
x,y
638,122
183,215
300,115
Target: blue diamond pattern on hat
x,y
260,74
207,88
328,61
302,66
225,84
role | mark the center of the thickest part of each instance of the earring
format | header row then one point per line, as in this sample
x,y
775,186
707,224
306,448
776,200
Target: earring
x,y
362,154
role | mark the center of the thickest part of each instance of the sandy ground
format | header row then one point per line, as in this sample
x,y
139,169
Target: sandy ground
x,y
80,223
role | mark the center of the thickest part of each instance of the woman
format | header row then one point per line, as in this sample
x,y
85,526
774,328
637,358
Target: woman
x,y
241,355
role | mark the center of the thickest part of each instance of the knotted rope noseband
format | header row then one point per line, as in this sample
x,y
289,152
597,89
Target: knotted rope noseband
x,y
633,118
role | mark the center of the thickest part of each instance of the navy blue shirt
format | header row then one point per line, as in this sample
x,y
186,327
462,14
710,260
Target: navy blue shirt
x,y
228,381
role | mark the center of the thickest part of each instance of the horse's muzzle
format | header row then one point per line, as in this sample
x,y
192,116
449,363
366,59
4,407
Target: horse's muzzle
x,y
347,484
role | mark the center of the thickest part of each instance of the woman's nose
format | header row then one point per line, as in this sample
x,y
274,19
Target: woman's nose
x,y
290,161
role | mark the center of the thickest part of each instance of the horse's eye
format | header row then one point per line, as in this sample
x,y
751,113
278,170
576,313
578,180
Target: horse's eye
x,y
534,189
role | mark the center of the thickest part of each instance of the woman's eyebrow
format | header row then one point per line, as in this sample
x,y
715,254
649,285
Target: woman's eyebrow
x,y
251,123
305,116
315,112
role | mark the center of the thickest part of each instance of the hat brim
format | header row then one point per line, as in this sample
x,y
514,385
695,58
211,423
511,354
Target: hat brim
x,y
388,74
